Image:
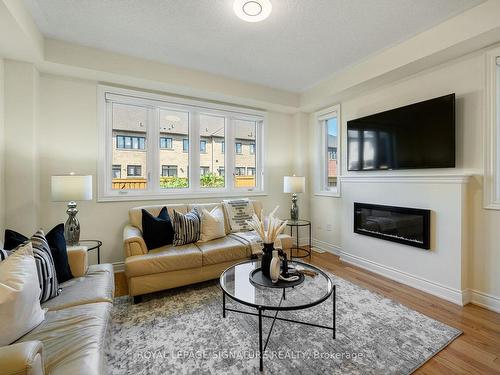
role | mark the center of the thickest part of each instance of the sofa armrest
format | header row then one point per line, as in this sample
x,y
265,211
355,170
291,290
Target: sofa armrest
x,y
133,243
78,260
24,358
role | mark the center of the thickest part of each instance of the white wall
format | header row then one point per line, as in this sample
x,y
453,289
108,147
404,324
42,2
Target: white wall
x,y
465,77
2,152
22,190
68,142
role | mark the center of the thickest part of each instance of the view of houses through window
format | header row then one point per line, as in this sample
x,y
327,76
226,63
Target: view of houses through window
x,y
131,145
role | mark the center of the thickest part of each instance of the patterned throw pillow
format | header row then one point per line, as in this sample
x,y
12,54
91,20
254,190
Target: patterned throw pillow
x,y
238,211
186,227
47,276
4,254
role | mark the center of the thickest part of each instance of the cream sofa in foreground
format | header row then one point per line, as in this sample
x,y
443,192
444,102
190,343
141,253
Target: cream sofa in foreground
x,y
168,266
71,339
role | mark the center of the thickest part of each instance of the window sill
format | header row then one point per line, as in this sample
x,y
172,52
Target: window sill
x,y
332,194
179,196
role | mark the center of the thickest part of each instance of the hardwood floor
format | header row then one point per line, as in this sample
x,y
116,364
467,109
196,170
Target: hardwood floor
x,y
476,351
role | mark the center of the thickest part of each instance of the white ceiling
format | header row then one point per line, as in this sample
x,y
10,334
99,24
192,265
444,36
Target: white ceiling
x,y
301,43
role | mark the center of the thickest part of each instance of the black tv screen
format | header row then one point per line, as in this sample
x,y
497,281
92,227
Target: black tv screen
x,y
420,135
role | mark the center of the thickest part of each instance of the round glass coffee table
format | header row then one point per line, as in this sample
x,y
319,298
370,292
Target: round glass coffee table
x,y
235,283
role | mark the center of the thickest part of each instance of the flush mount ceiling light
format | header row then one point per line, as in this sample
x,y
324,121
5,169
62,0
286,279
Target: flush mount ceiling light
x,y
252,10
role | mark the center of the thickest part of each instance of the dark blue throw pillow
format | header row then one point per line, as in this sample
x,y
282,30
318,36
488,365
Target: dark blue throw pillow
x,y
57,244
157,231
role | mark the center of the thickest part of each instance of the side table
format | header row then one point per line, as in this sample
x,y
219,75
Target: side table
x,y
297,224
91,245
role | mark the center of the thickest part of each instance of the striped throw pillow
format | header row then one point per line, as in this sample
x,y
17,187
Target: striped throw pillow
x,y
47,276
4,254
186,227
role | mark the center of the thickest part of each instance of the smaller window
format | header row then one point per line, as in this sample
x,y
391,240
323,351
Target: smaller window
x,y
203,146
169,170
252,148
250,171
185,145
221,171
330,151
223,146
204,170
239,171
116,171
130,143
166,143
134,170
238,147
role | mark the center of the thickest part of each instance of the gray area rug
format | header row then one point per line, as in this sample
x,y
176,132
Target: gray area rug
x,y
182,331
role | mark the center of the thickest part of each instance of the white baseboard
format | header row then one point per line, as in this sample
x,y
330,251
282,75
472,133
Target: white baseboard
x,y
482,299
431,287
119,267
325,246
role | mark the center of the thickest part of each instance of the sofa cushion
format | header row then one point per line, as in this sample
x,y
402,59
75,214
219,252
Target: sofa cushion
x,y
222,250
74,339
186,227
238,212
58,248
96,286
135,214
164,259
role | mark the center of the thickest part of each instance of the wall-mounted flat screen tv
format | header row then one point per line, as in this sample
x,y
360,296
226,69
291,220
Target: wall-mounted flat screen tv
x,y
420,135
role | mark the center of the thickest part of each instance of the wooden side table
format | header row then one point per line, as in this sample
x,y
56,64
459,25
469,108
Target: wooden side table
x,y
298,224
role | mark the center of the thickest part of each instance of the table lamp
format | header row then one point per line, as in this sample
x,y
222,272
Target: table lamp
x,y
294,184
71,188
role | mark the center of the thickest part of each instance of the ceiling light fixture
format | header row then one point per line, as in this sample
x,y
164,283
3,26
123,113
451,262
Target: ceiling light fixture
x,y
252,10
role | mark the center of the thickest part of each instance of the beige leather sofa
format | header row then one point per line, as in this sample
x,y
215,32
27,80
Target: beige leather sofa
x,y
71,339
168,266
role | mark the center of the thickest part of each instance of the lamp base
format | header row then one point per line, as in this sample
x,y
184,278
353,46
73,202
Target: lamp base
x,y
294,211
72,225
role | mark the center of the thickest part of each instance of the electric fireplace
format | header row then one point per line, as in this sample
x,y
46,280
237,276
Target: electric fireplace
x,y
409,226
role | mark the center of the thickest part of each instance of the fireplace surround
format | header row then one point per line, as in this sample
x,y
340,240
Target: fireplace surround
x,y
409,226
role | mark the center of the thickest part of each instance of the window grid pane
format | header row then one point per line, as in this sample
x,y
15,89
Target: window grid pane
x,y
212,135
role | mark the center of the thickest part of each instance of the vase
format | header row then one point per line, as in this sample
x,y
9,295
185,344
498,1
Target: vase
x,y
274,269
267,255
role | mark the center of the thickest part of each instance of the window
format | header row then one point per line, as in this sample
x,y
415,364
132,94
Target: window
x,y
174,125
245,157
203,146
134,170
116,171
213,131
329,125
239,171
170,146
169,170
130,142
166,143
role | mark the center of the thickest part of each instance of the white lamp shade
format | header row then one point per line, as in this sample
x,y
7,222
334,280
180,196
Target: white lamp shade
x,y
71,188
294,184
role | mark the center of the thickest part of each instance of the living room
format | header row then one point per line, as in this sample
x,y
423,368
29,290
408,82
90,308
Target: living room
x,y
240,107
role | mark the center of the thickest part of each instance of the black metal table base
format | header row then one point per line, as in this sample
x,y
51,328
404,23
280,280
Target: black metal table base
x,y
260,314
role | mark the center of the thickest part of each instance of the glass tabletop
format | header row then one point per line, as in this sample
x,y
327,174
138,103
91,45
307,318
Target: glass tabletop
x,y
235,282
299,222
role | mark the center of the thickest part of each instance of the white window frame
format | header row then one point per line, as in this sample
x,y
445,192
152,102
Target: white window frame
x,y
491,184
322,178
155,102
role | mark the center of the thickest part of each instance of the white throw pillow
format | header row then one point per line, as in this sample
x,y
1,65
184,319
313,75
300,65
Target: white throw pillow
x,y
212,224
239,212
20,309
